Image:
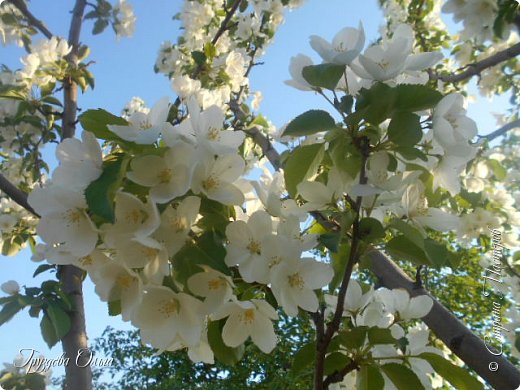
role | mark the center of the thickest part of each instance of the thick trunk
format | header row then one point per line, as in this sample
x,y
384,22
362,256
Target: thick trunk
x,y
78,374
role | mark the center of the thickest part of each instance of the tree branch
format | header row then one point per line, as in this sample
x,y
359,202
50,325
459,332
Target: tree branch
x,y
478,67
457,337
36,23
16,194
502,131
224,25
77,376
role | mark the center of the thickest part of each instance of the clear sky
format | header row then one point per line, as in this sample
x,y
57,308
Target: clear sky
x,y
125,69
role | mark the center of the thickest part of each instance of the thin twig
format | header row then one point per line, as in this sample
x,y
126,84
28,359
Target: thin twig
x,y
16,194
338,376
35,22
477,67
502,131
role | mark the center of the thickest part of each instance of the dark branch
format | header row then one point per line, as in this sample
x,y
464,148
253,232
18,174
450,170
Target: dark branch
x,y
224,25
502,131
478,67
457,337
36,23
16,194
338,376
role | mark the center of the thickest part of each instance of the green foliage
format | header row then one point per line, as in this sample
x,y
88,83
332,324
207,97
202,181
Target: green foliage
x,y
381,102
402,377
370,378
224,354
457,376
101,192
96,122
324,75
301,164
136,367
310,122
405,129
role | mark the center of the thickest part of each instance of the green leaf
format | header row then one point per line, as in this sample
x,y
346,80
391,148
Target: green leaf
x,y
435,252
374,104
60,320
9,310
101,192
330,240
408,231
99,26
114,308
48,331
43,268
304,357
370,229
335,361
457,376
414,97
96,122
498,169
301,164
199,57
346,103
410,153
405,129
339,262
370,378
310,122
35,381
354,338
402,377
323,75
404,249
380,336
223,353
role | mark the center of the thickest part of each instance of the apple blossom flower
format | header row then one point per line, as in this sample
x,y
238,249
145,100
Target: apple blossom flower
x,y
80,162
399,300
176,223
245,247
64,221
144,128
114,282
10,287
214,177
164,315
345,47
248,318
212,285
168,176
295,69
293,283
204,129
133,218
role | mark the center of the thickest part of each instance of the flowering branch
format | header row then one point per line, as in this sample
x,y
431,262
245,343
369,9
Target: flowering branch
x,y
457,337
16,194
477,67
38,24
502,131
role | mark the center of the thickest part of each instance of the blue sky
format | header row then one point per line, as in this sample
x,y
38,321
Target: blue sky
x,y
125,69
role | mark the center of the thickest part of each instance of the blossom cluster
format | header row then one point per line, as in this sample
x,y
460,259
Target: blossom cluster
x,y
129,258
